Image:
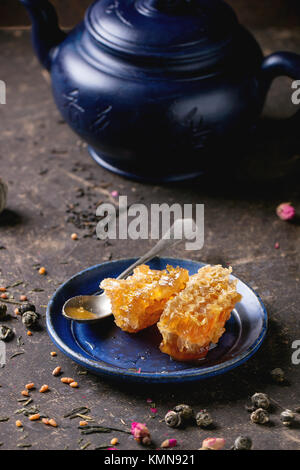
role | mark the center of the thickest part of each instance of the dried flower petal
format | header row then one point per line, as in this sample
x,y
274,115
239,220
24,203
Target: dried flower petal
x,y
169,443
213,443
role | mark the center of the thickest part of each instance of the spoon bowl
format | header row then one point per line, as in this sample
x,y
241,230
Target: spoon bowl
x,y
87,308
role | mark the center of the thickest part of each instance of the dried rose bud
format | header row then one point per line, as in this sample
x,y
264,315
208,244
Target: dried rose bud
x,y
169,443
213,443
285,211
140,433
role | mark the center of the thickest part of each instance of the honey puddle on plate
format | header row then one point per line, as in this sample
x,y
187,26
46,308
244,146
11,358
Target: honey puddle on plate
x,y
80,313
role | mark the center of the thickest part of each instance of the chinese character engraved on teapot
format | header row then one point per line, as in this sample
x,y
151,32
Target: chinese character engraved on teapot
x,y
75,111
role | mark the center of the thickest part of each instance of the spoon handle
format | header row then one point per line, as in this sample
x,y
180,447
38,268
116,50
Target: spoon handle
x,y
155,251
182,228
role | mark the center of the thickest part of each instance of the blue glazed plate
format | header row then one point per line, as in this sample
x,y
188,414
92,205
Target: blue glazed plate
x,y
106,350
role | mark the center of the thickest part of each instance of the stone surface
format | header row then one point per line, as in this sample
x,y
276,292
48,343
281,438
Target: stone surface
x,y
45,166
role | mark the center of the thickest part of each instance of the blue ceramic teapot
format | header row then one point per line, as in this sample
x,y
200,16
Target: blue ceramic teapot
x,y
159,89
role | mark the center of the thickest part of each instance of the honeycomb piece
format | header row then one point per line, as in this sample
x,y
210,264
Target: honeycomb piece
x,y
195,318
138,301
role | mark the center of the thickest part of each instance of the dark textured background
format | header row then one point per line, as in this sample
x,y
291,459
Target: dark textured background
x,y
46,167
255,13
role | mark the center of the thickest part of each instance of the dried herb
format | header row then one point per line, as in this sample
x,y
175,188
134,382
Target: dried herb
x,y
25,400
28,411
15,302
17,354
73,413
6,333
15,284
4,419
91,429
19,341
30,400
85,417
85,446
36,289
102,446
3,312
24,446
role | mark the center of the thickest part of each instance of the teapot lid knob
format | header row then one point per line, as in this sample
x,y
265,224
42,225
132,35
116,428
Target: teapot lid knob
x,y
162,5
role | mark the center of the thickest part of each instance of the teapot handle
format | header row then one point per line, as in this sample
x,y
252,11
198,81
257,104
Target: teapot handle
x,y
281,64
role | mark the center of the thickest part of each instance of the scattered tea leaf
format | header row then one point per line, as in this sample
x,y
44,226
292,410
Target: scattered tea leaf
x,y
3,419
8,301
85,417
85,446
15,284
19,341
90,429
28,411
73,413
17,354
102,446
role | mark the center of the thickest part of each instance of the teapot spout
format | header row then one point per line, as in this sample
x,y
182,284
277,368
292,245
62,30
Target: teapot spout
x,y
46,34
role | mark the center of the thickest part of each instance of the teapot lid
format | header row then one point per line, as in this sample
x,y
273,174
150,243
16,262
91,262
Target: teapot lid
x,y
162,29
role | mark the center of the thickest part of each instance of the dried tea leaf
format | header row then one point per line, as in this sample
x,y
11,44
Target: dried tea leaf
x,y
4,419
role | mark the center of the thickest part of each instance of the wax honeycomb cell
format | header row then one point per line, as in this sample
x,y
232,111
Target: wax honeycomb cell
x,y
196,317
138,301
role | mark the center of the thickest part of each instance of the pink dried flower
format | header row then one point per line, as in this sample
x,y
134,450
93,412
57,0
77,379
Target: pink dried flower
x,y
285,211
213,443
276,246
114,193
153,410
149,400
140,433
169,443
112,448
